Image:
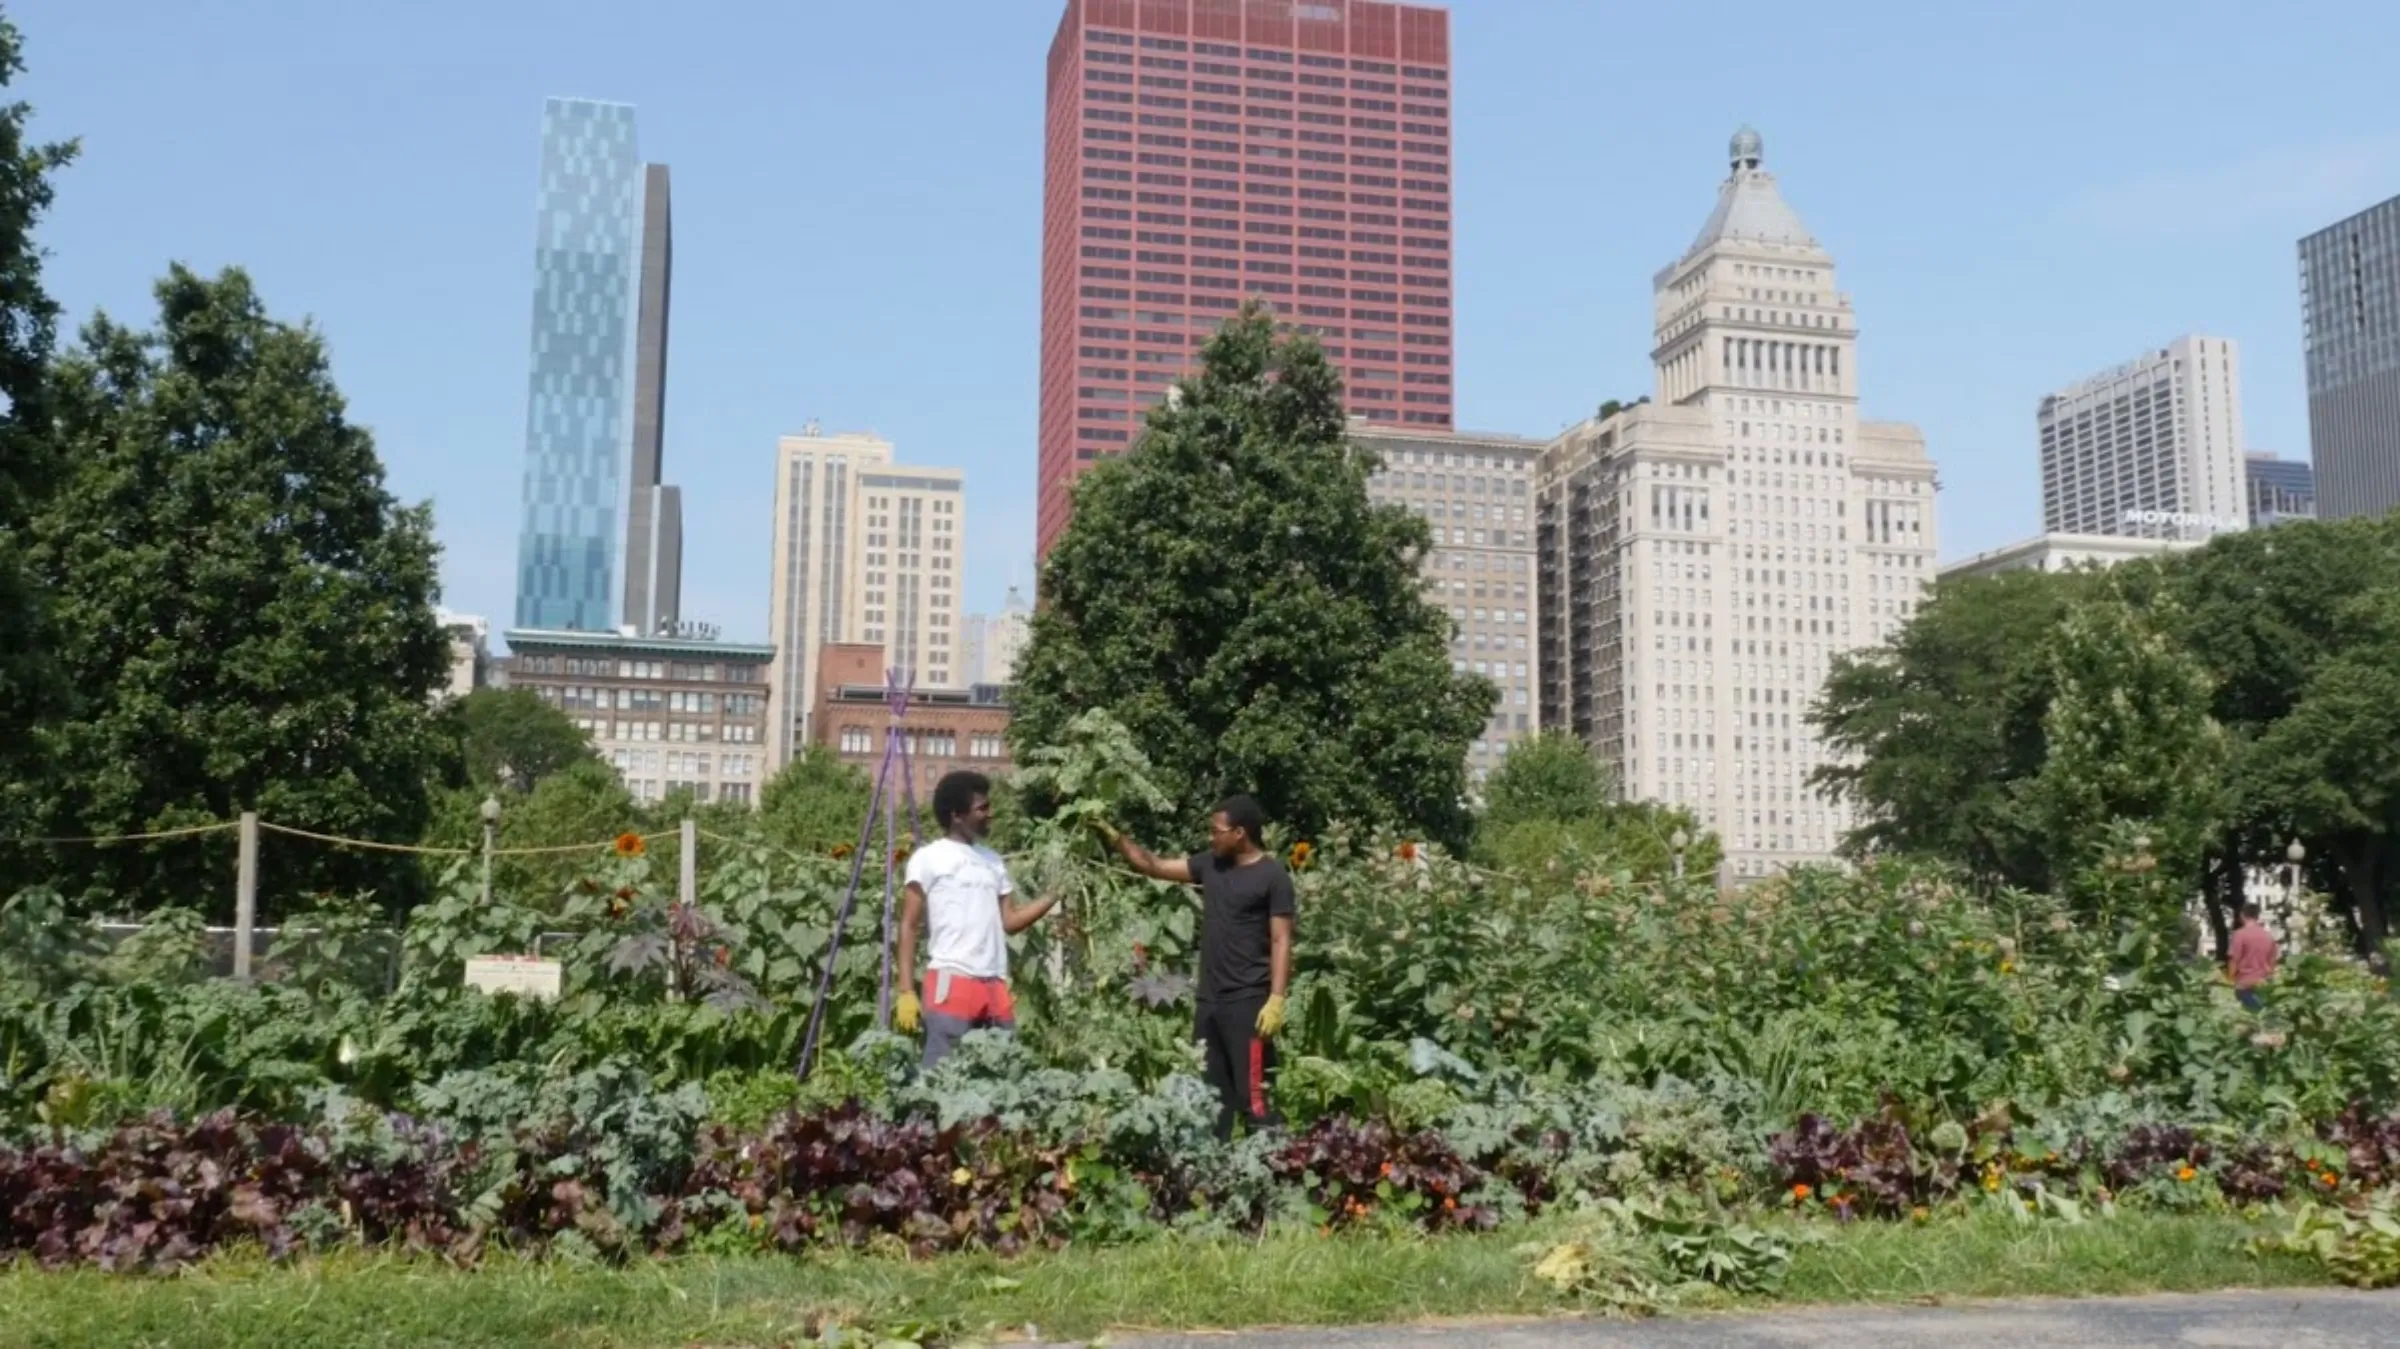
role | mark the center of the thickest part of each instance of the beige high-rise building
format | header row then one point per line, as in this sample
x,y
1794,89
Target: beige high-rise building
x,y
1477,491
865,550
2148,449
1705,555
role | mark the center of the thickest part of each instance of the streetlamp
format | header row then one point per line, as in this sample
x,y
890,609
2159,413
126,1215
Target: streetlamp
x,y
491,824
2295,854
1679,841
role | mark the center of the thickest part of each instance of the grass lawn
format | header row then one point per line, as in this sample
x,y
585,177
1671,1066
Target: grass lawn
x,y
361,1301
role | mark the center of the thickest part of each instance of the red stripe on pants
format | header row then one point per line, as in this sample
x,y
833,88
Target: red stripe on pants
x,y
1258,1079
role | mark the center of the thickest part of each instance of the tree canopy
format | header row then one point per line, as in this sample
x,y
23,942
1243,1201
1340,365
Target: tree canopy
x,y
510,737
1550,799
32,685
1229,593
245,613
2226,701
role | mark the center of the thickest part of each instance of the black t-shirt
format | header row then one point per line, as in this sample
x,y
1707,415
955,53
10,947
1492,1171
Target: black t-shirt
x,y
1236,900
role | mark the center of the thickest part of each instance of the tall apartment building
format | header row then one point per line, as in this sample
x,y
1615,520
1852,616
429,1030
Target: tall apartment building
x,y
865,551
1202,152
601,543
668,713
2149,449
2280,489
1477,491
1703,557
2350,309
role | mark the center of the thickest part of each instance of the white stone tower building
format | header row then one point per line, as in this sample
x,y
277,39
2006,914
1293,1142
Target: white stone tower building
x,y
1706,554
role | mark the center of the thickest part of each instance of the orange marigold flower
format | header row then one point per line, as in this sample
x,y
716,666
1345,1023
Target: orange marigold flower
x,y
630,844
840,851
1800,1192
900,855
1384,1171
1408,852
1301,852
2185,1173
2328,1179
1449,1204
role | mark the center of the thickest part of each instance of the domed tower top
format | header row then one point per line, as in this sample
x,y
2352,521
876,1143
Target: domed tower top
x,y
1748,150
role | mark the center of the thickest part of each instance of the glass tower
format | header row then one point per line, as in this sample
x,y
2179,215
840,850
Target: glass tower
x,y
2350,308
580,403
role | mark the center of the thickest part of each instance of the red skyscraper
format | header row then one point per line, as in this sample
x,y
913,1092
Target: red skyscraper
x,y
1201,152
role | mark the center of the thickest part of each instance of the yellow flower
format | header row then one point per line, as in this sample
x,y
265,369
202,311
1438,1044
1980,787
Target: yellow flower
x,y
630,844
1300,854
2185,1173
2008,967
962,1177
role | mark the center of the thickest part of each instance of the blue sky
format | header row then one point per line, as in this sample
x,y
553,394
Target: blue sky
x,y
2016,196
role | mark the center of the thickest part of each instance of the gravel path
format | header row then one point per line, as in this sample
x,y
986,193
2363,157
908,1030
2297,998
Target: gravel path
x,y
2294,1319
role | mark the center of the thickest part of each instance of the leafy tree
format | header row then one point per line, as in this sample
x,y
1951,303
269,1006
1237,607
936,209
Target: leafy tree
x,y
511,737
1550,803
1550,776
585,802
1229,593
32,687
246,613
2129,740
817,803
1937,732
2329,770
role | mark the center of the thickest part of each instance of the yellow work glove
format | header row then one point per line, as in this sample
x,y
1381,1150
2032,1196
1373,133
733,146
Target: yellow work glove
x,y
907,1014
1270,1018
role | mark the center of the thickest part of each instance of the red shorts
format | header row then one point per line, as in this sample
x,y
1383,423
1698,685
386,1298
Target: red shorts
x,y
979,1002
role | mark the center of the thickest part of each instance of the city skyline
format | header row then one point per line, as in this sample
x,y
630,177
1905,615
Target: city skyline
x,y
406,243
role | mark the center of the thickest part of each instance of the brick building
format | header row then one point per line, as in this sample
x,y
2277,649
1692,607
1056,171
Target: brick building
x,y
946,728
665,712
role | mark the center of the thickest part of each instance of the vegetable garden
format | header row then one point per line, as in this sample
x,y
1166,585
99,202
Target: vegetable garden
x,y
1468,1048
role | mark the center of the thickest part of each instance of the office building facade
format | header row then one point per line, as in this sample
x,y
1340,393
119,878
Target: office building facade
x,y
2350,311
1477,493
2149,449
944,730
668,713
2064,552
1203,152
2280,489
865,551
989,644
600,544
1703,557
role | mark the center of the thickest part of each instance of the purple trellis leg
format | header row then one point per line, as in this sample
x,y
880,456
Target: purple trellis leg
x,y
858,864
898,684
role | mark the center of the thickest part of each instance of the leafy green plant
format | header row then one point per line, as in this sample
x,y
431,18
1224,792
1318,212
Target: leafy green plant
x,y
2360,1244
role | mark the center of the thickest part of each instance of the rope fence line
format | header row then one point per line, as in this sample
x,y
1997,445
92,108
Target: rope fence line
x,y
105,839
337,840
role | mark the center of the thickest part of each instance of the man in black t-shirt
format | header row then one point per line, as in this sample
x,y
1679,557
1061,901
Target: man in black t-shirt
x,y
1246,911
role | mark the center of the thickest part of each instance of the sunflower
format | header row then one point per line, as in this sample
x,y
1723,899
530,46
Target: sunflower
x,y
631,845
1301,852
1408,852
841,851
900,855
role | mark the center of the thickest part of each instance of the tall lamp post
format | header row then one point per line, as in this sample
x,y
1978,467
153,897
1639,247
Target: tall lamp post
x,y
491,825
1679,841
2295,854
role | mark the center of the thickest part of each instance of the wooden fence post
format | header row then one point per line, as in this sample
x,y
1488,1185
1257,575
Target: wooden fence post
x,y
687,864
245,896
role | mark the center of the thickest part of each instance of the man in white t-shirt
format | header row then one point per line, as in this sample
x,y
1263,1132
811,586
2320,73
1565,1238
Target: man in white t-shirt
x,y
958,892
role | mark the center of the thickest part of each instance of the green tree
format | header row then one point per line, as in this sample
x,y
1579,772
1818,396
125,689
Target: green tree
x,y
2328,771
1228,592
510,737
245,612
583,803
817,803
2129,740
1550,801
1937,732
32,686
1549,776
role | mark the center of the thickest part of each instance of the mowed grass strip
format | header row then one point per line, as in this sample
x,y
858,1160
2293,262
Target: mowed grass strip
x,y
1170,1283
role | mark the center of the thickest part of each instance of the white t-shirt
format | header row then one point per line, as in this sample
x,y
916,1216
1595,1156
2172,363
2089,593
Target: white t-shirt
x,y
963,885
